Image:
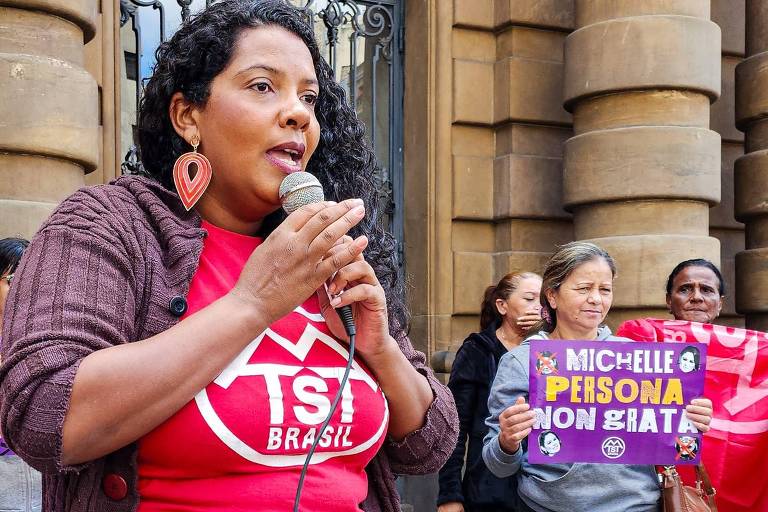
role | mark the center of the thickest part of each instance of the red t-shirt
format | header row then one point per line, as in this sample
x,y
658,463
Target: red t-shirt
x,y
241,443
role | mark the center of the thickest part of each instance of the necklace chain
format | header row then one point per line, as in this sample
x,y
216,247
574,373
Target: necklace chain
x,y
500,332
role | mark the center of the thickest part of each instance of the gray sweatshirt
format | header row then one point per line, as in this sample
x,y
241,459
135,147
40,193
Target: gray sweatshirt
x,y
562,487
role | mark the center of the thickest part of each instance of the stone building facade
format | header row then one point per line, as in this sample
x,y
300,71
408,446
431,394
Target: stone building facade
x,y
528,123
533,123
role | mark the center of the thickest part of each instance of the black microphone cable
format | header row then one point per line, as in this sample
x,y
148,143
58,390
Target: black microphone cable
x,y
296,190
345,313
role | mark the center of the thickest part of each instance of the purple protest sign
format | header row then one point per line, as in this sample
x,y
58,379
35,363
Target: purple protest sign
x,y
4,450
614,402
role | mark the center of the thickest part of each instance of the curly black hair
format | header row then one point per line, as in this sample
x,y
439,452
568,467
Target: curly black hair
x,y
343,161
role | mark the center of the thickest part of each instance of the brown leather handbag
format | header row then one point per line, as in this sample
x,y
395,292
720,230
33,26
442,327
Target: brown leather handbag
x,y
677,497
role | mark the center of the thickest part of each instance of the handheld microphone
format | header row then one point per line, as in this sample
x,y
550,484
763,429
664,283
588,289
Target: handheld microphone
x,y
299,189
296,190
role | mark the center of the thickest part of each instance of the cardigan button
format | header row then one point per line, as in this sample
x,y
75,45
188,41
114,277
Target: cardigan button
x,y
114,486
178,305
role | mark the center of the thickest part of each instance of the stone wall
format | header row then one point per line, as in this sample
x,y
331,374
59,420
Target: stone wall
x,y
534,123
490,196
508,135
750,178
729,15
643,167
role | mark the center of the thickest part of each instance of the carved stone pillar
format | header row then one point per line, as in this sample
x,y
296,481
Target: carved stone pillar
x,y
643,166
507,141
729,16
751,170
48,108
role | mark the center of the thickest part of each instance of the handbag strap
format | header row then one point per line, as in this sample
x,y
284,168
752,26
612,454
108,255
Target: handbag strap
x,y
703,477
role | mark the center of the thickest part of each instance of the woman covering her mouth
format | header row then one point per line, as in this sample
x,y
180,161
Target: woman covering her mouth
x,y
171,344
508,310
576,295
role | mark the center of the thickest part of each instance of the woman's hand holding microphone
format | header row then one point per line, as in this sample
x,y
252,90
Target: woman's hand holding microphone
x,y
310,251
356,285
292,263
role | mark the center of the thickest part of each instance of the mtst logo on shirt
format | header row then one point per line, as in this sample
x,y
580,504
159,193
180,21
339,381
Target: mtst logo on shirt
x,y
268,404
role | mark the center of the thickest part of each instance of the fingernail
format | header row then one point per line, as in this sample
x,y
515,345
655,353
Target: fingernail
x,y
358,211
335,301
332,289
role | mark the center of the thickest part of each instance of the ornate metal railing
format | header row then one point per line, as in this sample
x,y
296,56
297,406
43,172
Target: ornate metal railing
x,y
363,44
362,40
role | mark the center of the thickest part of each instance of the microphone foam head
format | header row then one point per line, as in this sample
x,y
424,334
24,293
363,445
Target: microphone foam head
x,y
299,189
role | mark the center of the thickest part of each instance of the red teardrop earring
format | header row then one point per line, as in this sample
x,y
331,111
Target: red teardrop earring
x,y
191,189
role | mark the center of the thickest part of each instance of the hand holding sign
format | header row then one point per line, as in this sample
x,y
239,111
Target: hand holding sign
x,y
699,411
515,423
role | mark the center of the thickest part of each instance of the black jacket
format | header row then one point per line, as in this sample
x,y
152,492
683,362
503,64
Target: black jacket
x,y
471,378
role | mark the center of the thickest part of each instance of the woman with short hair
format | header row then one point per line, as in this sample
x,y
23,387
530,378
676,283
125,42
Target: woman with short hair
x,y
695,291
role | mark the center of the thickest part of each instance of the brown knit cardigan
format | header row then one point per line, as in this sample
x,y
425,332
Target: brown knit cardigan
x,y
101,272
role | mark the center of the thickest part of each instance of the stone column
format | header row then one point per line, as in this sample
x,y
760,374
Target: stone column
x,y
531,127
643,166
729,16
507,138
427,152
48,108
751,170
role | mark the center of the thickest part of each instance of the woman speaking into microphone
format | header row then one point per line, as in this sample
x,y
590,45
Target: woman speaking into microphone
x,y
171,344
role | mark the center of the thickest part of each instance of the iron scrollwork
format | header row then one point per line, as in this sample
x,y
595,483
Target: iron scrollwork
x,y
375,21
129,12
131,162
131,5
184,8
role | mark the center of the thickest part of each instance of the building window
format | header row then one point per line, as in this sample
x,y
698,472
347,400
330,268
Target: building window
x,y
131,65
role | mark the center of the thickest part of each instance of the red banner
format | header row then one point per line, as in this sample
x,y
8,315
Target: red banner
x,y
735,450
